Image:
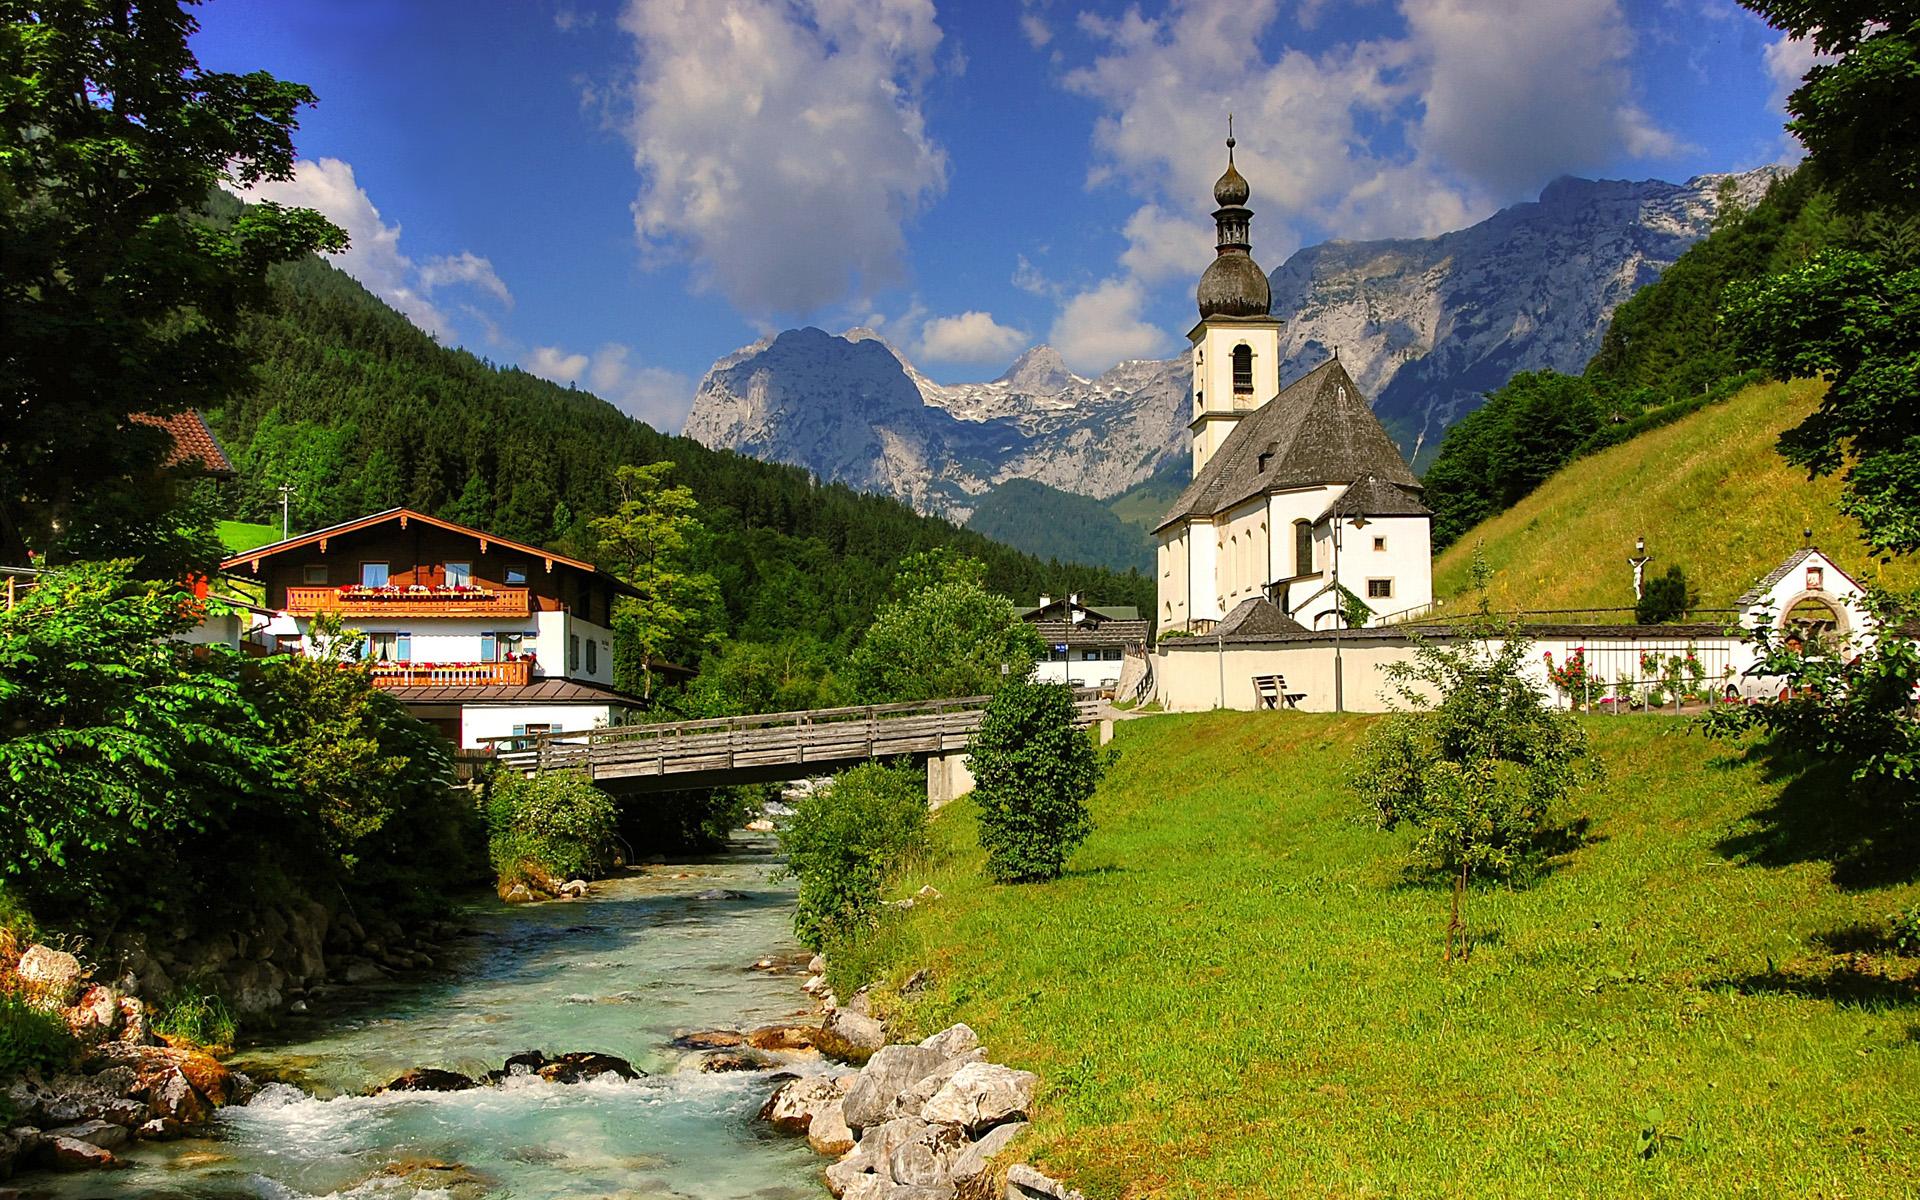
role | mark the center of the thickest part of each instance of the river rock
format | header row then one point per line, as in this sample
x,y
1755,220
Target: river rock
x,y
854,1166
891,1070
151,1064
95,1016
1025,1183
104,1134
877,1187
794,1107
953,1041
720,1062
721,894
579,1066
574,888
917,982
171,1097
981,1095
829,1132
852,1036
912,1101
430,1079
973,1168
72,1154
710,1039
52,977
784,1038
817,965
926,1159
160,1129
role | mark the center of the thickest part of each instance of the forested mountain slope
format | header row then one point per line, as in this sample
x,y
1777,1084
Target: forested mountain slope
x,y
1708,492
360,411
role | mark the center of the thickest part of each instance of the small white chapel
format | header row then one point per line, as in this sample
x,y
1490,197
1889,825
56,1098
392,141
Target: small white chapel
x,y
1298,496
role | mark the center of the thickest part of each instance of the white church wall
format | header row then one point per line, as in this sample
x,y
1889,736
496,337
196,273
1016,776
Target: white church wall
x,y
1173,578
1204,566
1396,549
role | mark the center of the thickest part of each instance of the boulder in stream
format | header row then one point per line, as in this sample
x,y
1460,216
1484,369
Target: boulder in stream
x,y
430,1079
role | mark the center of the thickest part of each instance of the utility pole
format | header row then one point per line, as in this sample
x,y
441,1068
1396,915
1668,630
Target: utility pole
x,y
286,498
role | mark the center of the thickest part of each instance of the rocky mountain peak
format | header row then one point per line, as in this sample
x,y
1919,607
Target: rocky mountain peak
x,y
1040,371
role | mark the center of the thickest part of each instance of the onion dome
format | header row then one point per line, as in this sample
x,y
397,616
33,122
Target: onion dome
x,y
1233,285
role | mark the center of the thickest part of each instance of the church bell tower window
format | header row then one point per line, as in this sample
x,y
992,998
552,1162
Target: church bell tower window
x,y
1242,369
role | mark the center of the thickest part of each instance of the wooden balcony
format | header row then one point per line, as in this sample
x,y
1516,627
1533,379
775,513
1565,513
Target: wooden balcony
x,y
518,673
409,602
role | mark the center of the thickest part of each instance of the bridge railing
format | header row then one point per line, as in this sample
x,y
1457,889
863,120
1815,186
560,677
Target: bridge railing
x,y
786,738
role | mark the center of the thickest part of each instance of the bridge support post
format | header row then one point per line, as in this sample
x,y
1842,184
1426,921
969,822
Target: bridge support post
x,y
947,777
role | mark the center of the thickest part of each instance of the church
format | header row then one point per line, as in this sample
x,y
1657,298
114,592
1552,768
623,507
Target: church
x,y
1298,496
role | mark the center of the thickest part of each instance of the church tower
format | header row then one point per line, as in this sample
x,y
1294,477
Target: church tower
x,y
1236,345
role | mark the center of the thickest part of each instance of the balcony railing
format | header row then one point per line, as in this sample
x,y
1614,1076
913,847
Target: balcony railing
x,y
517,673
409,602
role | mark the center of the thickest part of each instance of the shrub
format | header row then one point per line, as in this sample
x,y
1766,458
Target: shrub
x,y
1475,760
31,1038
843,842
197,1014
556,824
1033,773
1904,930
1665,598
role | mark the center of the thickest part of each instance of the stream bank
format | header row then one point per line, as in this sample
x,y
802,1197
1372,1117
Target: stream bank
x,y
644,959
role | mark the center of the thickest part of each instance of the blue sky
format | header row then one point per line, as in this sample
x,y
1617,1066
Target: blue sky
x,y
617,192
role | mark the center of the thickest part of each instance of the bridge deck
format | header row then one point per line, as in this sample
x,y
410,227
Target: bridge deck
x,y
767,746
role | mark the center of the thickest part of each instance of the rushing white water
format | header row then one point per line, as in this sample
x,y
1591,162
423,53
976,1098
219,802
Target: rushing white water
x,y
621,973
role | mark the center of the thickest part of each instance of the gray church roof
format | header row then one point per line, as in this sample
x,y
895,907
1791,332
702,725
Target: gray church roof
x,y
1759,590
1319,430
1255,616
1370,497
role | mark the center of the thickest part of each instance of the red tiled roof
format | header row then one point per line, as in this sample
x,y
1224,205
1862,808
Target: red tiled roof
x,y
193,442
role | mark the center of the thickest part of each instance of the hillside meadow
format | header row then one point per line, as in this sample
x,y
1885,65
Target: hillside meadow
x,y
1708,492
1237,990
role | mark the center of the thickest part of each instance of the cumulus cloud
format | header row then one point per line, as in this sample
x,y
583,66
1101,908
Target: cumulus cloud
x,y
970,337
1162,245
656,395
1788,60
1474,103
1103,325
781,144
374,256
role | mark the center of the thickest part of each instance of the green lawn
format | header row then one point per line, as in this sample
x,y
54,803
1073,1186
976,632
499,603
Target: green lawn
x,y
238,536
1236,992
1708,492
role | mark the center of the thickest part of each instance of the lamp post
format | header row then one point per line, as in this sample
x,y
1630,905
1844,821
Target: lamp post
x,y
286,497
1639,563
1340,608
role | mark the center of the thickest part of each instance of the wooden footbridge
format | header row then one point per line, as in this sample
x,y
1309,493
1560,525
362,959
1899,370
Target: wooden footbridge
x,y
766,747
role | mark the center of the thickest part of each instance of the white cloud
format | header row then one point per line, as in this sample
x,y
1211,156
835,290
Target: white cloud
x,y
1103,325
374,256
1788,60
970,337
1516,91
1032,280
781,143
1163,245
656,395
1033,24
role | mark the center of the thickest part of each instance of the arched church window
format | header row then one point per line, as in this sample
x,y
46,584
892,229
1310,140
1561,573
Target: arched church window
x,y
1303,547
1242,368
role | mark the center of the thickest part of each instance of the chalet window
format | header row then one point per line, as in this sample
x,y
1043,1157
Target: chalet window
x,y
314,574
502,647
1303,548
373,574
515,572
389,647
1379,543
1379,589
524,734
1242,368
593,657
573,652
459,574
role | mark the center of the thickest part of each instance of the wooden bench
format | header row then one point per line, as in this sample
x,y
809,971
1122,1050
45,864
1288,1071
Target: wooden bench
x,y
1270,690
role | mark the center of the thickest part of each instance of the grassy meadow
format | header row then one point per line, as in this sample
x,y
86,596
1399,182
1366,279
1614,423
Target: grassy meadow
x,y
1709,492
1238,992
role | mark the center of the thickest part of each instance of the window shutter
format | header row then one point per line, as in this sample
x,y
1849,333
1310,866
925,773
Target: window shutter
x,y
488,648
403,647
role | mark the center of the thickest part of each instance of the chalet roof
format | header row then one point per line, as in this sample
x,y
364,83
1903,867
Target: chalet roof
x,y
250,559
1318,430
1093,633
1257,616
540,691
193,443
1759,590
1374,497
1064,605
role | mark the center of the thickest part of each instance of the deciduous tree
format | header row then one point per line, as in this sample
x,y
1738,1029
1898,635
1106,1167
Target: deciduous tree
x,y
648,541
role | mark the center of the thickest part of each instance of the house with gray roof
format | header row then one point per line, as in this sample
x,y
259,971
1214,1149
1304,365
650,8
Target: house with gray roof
x,y
1298,496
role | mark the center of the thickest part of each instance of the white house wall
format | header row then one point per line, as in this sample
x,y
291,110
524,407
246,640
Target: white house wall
x,y
460,640
478,721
